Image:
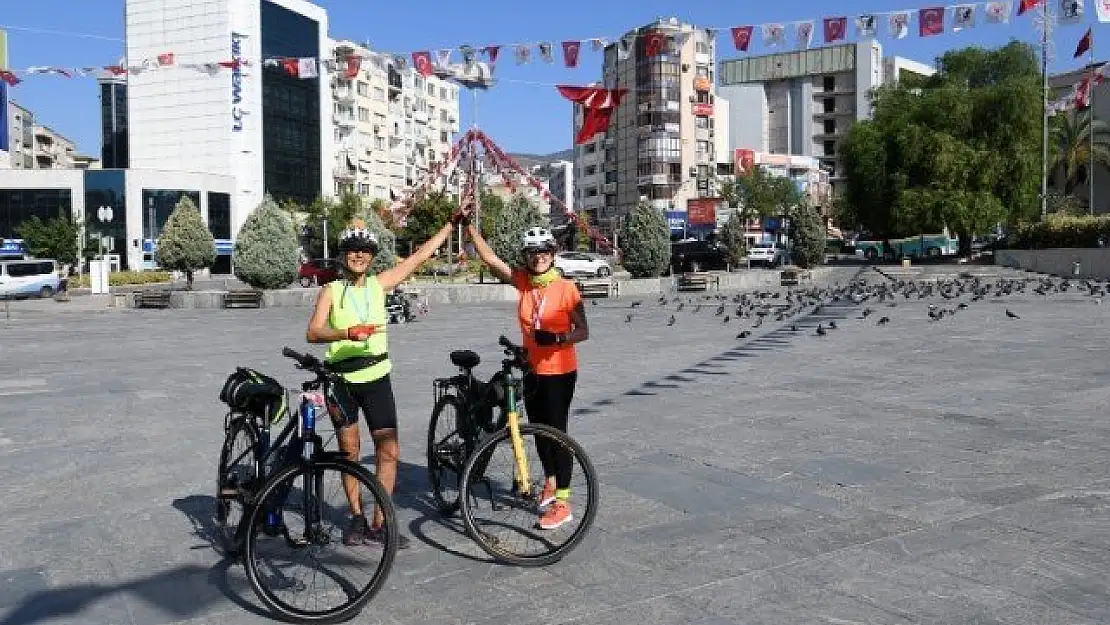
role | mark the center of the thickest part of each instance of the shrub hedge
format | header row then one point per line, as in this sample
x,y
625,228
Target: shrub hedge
x,y
1061,230
122,278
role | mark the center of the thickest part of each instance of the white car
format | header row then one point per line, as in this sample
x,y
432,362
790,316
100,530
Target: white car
x,y
767,253
581,264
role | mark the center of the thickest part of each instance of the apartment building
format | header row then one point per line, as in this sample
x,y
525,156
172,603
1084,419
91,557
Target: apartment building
x,y
389,125
804,101
561,182
661,145
35,146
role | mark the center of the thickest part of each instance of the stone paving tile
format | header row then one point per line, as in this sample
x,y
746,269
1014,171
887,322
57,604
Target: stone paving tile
x,y
923,472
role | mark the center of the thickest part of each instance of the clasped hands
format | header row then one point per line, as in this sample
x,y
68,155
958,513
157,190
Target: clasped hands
x,y
465,211
361,332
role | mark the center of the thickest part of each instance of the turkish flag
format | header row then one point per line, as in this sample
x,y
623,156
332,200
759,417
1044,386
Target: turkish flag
x,y
422,62
930,21
354,63
598,105
1025,5
166,58
836,28
570,52
742,37
292,67
1084,45
654,43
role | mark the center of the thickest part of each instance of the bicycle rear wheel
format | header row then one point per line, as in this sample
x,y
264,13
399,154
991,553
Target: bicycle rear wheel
x,y
302,512
447,453
237,478
511,532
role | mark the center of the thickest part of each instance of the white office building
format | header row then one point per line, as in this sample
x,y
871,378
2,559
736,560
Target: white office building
x,y
267,129
561,182
804,101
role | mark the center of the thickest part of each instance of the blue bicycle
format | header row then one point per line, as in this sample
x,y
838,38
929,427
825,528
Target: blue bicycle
x,y
272,497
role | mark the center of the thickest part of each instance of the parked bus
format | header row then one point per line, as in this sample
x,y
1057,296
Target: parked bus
x,y
918,246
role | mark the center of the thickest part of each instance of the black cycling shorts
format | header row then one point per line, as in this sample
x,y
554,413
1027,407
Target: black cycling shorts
x,y
374,398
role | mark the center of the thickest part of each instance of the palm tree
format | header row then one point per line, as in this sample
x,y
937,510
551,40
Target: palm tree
x,y
1070,142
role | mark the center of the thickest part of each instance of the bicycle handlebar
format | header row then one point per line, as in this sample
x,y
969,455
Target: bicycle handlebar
x,y
518,353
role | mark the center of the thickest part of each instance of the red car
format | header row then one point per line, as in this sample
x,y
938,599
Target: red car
x,y
319,271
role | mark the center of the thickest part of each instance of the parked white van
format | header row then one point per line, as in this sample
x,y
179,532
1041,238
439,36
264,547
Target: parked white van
x,y
28,277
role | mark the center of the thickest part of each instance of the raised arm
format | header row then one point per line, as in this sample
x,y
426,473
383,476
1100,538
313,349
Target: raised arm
x,y
496,266
390,278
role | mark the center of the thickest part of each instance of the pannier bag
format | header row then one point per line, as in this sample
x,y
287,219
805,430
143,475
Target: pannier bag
x,y
252,392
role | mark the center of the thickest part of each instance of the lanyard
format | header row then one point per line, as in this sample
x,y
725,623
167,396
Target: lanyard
x,y
362,316
537,307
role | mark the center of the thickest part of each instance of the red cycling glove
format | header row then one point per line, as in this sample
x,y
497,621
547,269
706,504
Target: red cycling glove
x,y
361,332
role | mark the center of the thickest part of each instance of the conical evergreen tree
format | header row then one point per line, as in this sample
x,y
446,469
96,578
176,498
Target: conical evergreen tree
x,y
185,243
267,250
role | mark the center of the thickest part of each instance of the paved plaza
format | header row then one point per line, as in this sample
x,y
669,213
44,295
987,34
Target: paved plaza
x,y
943,472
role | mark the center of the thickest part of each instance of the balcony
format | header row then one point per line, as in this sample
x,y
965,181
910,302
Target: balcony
x,y
662,205
666,156
345,121
701,58
659,129
420,117
659,104
654,179
609,187
703,134
344,93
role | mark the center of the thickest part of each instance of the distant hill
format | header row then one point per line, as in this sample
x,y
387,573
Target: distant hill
x,y
527,161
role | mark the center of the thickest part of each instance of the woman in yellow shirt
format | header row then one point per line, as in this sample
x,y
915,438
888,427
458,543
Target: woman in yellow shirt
x,y
350,317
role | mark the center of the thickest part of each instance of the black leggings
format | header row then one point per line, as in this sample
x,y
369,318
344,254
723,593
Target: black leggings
x,y
547,400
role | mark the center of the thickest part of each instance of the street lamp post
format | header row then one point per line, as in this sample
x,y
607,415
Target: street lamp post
x,y
104,215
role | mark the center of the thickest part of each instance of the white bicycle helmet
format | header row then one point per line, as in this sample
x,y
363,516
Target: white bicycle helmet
x,y
358,239
538,239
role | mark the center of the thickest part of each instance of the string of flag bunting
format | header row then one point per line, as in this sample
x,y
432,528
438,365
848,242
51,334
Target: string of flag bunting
x,y
898,24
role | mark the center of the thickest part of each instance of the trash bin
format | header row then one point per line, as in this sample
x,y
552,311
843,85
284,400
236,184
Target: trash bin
x,y
905,263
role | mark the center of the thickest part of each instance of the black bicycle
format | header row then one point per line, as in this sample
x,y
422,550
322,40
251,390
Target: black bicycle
x,y
271,497
474,424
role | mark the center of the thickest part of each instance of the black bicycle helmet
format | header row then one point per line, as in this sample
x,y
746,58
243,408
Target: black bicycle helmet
x,y
356,238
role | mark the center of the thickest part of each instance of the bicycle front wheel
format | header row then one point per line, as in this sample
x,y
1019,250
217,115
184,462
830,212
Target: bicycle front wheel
x,y
237,478
296,555
510,532
447,452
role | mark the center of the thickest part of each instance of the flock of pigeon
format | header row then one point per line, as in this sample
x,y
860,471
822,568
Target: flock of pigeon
x,y
780,307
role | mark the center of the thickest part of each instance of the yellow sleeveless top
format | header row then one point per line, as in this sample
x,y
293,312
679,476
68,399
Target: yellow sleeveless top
x,y
357,305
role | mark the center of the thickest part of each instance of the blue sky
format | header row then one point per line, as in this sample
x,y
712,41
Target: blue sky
x,y
523,112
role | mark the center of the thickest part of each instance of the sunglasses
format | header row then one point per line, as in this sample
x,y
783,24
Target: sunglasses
x,y
534,253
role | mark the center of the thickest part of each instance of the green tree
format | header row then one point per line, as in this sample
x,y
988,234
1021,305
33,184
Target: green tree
x,y
732,237
55,239
185,243
503,224
337,213
760,194
962,152
808,234
387,241
427,216
267,250
645,242
1070,144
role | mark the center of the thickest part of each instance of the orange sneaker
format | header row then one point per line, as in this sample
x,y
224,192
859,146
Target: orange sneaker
x,y
556,515
547,495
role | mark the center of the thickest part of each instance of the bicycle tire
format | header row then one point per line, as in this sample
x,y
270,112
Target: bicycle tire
x,y
477,459
389,550
447,506
226,483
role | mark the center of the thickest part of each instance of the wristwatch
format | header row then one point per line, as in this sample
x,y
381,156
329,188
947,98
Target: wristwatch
x,y
560,338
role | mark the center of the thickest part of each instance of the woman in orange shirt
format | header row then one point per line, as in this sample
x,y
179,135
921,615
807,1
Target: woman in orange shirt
x,y
552,320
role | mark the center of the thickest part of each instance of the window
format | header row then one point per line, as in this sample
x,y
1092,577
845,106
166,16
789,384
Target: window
x,y
38,268
161,203
443,136
829,105
19,205
591,170
379,94
363,189
591,148
701,47
830,148
442,93
363,89
431,89
219,215
431,111
363,114
591,191
702,147
703,71
701,122
379,143
830,126
291,112
443,115
829,83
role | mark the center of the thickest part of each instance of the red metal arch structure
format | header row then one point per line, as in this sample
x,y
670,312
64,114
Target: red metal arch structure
x,y
476,147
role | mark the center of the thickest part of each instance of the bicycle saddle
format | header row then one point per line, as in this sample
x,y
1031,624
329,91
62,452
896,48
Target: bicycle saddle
x,y
465,358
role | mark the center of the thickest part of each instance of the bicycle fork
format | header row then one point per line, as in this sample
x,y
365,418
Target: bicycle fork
x,y
523,483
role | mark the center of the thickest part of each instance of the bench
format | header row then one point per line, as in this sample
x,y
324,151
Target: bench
x,y
597,287
243,298
698,281
791,277
154,298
